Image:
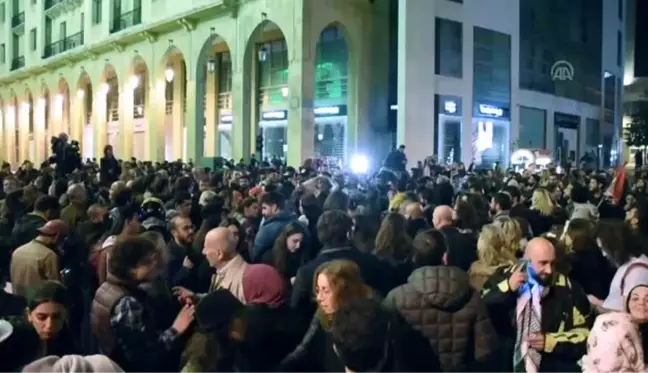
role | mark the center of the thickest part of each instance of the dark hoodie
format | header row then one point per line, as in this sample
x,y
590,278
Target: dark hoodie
x,y
26,229
439,302
268,233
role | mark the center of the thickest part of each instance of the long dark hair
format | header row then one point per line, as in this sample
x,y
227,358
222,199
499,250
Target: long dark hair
x,y
280,250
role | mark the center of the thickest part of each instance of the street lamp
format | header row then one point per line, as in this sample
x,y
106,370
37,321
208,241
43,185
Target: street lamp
x,y
134,81
263,53
211,65
169,74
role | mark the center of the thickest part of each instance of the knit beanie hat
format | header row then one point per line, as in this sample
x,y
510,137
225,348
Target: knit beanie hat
x,y
216,310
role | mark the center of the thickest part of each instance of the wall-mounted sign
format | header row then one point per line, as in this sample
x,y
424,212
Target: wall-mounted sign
x,y
447,104
450,107
330,111
274,115
491,110
566,120
226,118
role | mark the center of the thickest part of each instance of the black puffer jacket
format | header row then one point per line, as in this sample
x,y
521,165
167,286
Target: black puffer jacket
x,y
439,303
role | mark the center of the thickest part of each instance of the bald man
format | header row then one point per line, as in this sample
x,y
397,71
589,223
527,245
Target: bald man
x,y
550,315
442,217
220,251
461,248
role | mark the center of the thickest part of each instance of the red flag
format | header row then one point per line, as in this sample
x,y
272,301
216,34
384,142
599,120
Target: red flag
x,y
615,190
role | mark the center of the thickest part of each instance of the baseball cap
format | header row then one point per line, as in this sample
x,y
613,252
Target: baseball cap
x,y
53,228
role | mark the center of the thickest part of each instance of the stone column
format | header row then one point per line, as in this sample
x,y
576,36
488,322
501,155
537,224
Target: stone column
x,y
301,85
155,113
241,108
40,135
416,85
23,125
100,122
77,117
195,132
11,134
178,113
126,111
211,110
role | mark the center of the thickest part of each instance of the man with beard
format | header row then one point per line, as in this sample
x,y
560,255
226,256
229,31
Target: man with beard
x,y
551,315
178,248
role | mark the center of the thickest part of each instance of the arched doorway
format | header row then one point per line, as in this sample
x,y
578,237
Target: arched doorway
x,y
331,94
28,115
214,84
109,91
270,56
139,83
175,94
62,107
85,96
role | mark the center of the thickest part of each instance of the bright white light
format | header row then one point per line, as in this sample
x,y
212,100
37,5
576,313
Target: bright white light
x,y
320,136
607,74
169,74
104,88
42,102
59,98
134,81
284,91
327,110
26,106
80,93
360,164
393,107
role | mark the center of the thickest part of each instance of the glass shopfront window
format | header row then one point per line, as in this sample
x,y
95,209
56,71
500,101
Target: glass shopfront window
x,y
533,126
491,137
224,136
566,138
449,128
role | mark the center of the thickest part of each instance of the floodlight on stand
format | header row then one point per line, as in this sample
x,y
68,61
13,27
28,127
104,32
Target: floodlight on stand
x,y
360,164
169,74
263,54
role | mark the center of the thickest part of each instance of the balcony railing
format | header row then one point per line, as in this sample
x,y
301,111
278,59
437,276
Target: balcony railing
x,y
18,19
61,46
126,20
168,110
51,3
225,100
18,63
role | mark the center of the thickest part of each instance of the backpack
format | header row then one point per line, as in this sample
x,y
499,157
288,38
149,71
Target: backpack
x,y
98,259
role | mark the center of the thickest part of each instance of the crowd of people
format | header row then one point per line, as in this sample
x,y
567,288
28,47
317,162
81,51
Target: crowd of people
x,y
162,266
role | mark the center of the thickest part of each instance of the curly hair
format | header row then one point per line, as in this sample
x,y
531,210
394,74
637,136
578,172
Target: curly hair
x,y
392,240
492,247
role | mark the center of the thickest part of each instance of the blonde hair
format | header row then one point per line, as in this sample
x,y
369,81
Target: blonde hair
x,y
512,232
542,202
491,247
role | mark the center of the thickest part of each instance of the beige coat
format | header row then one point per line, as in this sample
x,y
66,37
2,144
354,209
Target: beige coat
x,y
230,277
32,264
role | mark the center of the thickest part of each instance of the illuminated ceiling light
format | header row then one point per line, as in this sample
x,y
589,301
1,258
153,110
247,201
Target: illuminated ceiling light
x,y
80,93
134,81
284,91
169,74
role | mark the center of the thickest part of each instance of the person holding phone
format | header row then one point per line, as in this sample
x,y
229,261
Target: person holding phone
x,y
543,319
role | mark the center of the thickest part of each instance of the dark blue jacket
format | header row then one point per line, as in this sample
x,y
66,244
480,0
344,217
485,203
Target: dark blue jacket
x,y
268,233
